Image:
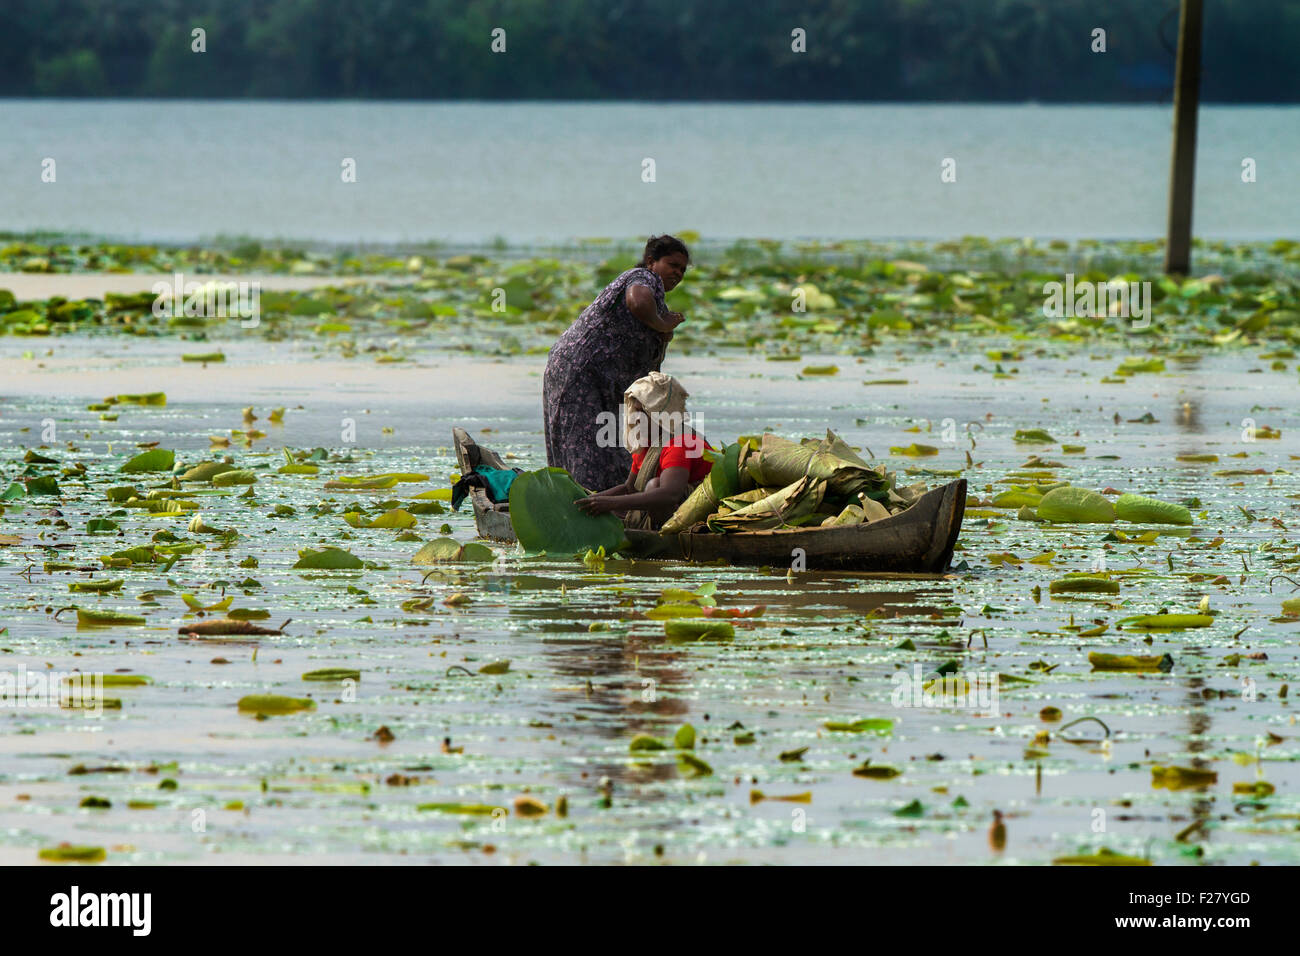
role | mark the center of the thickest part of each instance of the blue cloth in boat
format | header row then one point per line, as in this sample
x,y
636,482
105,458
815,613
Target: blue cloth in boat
x,y
495,481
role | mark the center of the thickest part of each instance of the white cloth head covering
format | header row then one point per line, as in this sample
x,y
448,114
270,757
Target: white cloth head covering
x,y
662,396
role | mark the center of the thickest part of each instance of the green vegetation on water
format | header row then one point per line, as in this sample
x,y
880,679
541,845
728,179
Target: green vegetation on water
x,y
336,668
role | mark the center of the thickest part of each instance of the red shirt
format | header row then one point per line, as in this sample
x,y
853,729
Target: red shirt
x,y
684,451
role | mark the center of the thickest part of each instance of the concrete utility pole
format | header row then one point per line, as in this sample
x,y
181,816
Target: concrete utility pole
x,y
1182,171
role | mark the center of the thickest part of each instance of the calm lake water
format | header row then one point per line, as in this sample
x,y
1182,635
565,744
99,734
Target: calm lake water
x,y
529,172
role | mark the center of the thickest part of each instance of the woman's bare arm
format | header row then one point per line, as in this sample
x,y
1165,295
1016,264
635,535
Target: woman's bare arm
x,y
670,491
641,303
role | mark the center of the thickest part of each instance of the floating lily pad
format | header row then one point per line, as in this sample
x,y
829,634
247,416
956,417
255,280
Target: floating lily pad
x,y
1084,584
1075,506
1102,857
1179,778
68,853
1140,509
866,725
157,459
464,809
274,704
1165,622
332,674
1130,662
688,630
442,550
329,559
96,587
89,617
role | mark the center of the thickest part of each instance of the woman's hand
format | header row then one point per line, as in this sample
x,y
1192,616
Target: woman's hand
x,y
596,505
670,320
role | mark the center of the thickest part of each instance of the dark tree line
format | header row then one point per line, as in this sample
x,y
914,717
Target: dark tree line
x,y
894,50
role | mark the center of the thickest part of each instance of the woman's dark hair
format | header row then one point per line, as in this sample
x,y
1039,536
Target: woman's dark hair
x,y
660,246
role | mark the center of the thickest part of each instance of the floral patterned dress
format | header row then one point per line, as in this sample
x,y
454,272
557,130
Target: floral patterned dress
x,y
590,366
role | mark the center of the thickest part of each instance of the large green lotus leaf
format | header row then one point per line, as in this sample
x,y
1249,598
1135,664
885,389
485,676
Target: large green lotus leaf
x,y
159,459
439,549
1143,510
236,476
725,476
478,553
1129,662
397,518
206,471
92,618
327,558
141,555
96,587
1075,506
1018,497
44,485
1084,584
448,549
545,518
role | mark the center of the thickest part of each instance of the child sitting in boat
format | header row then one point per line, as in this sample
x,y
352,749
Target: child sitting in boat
x,y
667,455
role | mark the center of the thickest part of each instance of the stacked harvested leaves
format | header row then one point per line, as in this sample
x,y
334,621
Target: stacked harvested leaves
x,y
758,484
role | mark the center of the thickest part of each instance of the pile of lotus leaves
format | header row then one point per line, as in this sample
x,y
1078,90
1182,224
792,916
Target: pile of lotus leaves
x,y
767,482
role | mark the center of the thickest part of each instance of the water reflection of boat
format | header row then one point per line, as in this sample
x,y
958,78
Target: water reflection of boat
x,y
918,540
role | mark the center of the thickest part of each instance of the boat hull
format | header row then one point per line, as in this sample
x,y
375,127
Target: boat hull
x,y
919,540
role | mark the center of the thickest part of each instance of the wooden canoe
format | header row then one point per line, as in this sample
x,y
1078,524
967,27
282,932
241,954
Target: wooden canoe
x,y
919,540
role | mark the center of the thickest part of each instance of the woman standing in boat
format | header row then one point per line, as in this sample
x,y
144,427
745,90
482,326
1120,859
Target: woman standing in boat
x,y
619,338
